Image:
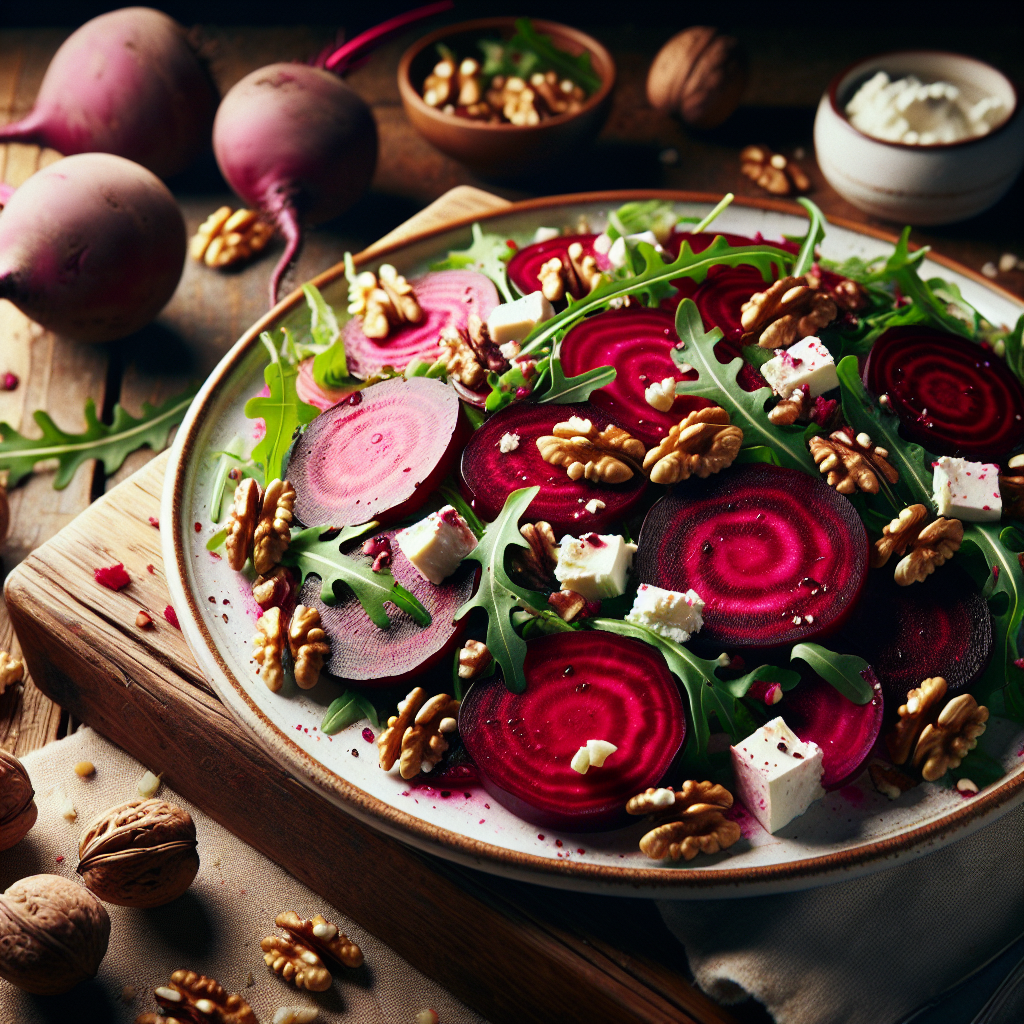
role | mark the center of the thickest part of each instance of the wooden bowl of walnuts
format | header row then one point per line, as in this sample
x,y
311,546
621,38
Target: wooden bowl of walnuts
x,y
507,96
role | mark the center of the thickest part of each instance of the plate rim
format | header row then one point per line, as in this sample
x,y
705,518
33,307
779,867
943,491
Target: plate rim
x,y
803,873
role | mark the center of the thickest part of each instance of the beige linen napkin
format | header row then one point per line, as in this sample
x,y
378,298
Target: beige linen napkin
x,y
867,951
215,928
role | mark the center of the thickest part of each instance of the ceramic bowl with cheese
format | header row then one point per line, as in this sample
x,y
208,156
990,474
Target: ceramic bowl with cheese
x,y
913,154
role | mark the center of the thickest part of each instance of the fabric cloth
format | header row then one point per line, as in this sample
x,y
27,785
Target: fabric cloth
x,y
867,951
214,929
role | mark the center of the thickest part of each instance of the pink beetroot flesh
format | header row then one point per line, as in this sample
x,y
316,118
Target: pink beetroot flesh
x,y
447,297
951,395
380,657
817,712
490,475
580,686
312,394
777,556
377,454
639,343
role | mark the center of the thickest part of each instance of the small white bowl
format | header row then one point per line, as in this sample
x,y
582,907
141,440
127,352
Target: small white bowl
x,y
915,184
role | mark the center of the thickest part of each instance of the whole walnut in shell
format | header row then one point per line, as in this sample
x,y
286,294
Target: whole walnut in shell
x,y
53,934
700,75
140,854
17,804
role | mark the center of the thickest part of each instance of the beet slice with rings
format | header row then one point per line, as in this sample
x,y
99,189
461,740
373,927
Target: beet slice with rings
x,y
524,267
489,475
817,712
941,627
312,394
376,454
363,652
447,297
777,555
579,687
639,343
951,395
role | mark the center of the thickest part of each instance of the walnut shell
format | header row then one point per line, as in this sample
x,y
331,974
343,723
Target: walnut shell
x,y
700,75
17,804
140,854
53,934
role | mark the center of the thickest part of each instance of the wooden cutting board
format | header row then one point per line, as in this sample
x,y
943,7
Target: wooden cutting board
x,y
510,950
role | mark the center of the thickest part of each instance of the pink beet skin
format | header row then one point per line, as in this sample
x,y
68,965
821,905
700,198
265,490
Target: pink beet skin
x,y
447,297
580,686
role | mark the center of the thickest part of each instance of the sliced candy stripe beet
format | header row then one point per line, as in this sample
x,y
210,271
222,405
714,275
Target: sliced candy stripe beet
x,y
380,657
377,454
447,297
638,342
952,396
941,627
579,687
490,476
817,712
777,556
524,267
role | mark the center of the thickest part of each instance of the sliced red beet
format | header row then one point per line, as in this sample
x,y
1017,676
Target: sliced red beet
x,y
490,475
524,267
381,657
311,392
941,627
377,454
447,297
638,342
817,712
777,556
579,687
951,395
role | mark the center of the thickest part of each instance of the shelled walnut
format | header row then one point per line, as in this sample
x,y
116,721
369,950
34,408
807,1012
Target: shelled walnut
x,y
772,171
53,934
470,354
322,937
922,708
12,670
567,603
273,527
609,456
944,744
18,810
700,444
577,274
788,310
415,737
268,648
934,546
540,559
195,997
271,589
473,659
242,522
383,300
296,963
437,89
308,645
228,237
852,462
687,822
139,854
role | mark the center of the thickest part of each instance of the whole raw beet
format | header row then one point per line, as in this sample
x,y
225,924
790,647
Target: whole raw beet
x,y
129,83
91,247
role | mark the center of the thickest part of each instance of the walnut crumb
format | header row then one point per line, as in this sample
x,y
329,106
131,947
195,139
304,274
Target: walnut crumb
x,y
594,506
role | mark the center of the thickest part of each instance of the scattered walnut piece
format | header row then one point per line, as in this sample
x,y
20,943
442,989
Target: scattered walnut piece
x,y
576,274
849,295
322,937
852,462
274,526
308,644
415,737
772,171
12,670
195,997
383,300
934,546
922,708
687,822
296,963
295,1014
470,354
540,559
793,409
700,444
271,589
473,659
889,781
567,603
898,535
268,648
609,456
437,89
242,522
788,310
229,236
944,744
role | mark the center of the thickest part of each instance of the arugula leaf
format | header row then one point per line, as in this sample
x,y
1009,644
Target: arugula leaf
x,y
566,390
787,678
350,707
757,453
815,233
323,558
844,671
217,539
998,571
655,275
1014,349
497,594
568,66
283,412
647,215
231,455
330,364
111,445
487,254
865,415
718,383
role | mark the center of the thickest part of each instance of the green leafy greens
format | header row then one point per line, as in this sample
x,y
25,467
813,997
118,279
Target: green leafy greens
x,y
566,390
347,709
843,671
487,254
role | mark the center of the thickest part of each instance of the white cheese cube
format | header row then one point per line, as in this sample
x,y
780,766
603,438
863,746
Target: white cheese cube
x,y
436,545
595,565
545,234
617,252
967,490
602,243
667,612
513,321
807,362
778,776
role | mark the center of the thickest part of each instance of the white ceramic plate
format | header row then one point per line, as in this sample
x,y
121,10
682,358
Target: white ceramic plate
x,y
852,832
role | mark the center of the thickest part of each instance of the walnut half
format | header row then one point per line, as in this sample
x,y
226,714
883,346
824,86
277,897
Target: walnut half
x,y
308,645
415,737
945,744
195,997
921,709
788,310
852,462
700,444
274,526
609,456
687,822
